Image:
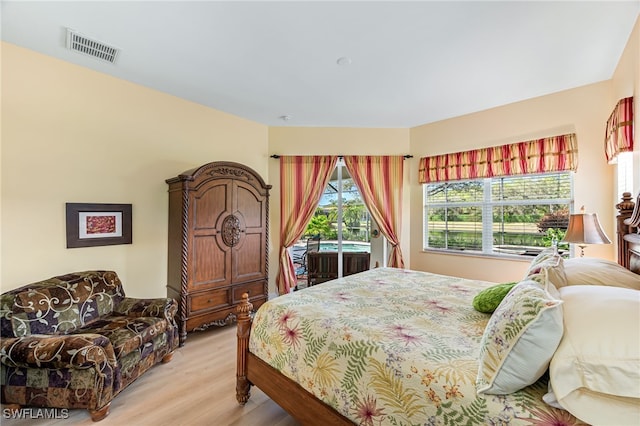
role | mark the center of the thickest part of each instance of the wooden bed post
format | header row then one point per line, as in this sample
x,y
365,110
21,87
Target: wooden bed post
x,y
625,209
243,385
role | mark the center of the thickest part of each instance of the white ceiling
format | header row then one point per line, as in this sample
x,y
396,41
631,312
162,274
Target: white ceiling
x,y
412,62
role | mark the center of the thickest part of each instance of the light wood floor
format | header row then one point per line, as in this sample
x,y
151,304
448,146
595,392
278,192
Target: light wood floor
x,y
196,388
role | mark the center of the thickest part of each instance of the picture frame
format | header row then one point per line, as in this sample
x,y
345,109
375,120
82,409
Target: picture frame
x,y
91,224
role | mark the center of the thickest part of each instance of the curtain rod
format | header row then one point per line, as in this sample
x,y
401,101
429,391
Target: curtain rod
x,y
340,156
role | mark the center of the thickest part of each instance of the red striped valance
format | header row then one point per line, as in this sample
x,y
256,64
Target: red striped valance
x,y
557,153
619,134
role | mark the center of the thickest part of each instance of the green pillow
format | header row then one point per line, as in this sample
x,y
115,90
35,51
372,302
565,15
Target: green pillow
x,y
488,299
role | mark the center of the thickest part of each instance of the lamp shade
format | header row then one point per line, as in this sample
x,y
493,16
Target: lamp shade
x,y
584,228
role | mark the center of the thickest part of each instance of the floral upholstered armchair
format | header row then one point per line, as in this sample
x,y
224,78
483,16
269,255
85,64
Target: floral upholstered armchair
x,y
76,341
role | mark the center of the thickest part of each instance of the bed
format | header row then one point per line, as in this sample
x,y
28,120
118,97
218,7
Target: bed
x,y
401,347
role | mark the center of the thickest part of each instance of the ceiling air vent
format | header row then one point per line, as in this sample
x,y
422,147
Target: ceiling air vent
x,y
80,43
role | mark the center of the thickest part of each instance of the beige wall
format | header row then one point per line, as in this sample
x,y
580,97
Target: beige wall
x,y
583,111
73,135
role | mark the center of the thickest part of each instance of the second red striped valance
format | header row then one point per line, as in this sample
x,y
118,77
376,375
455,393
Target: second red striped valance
x,y
619,132
557,153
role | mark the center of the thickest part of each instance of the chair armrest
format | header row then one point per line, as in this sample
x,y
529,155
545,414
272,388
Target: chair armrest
x,y
162,308
59,351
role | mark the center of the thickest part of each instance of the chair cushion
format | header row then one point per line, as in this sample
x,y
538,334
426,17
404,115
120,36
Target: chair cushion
x,y
127,334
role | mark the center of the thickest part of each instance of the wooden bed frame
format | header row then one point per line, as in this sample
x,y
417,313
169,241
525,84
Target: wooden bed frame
x,y
628,232
306,408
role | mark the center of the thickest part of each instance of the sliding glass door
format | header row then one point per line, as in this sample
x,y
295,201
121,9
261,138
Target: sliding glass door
x,y
345,228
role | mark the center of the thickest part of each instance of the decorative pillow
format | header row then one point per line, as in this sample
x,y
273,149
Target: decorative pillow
x,y
488,299
595,372
595,271
519,340
548,266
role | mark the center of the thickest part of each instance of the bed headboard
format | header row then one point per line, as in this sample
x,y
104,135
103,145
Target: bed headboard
x,y
628,232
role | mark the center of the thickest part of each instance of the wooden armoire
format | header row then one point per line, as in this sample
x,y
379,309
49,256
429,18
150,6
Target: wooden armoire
x,y
218,236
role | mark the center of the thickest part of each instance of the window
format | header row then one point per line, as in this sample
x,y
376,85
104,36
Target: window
x,y
625,173
510,215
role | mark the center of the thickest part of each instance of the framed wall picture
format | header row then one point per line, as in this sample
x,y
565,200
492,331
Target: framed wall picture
x,y
91,225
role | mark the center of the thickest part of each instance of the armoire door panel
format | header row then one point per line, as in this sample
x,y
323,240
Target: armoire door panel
x,y
211,262
251,204
209,205
248,258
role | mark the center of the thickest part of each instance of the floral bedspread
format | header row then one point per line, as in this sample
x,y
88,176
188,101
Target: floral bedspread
x,y
392,347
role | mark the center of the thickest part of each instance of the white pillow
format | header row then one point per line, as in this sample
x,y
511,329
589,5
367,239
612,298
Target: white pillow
x,y
519,340
595,271
595,372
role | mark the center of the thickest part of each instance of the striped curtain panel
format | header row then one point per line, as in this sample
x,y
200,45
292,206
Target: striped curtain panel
x,y
557,153
302,182
619,132
380,181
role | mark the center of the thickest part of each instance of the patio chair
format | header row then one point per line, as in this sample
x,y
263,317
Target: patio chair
x,y
313,245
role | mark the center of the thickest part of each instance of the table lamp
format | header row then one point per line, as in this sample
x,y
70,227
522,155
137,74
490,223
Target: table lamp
x,y
584,228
